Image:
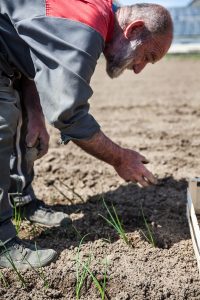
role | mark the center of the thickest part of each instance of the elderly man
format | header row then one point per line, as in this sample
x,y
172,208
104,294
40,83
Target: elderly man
x,y
54,46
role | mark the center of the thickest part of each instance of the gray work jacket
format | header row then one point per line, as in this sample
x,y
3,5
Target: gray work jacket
x,y
60,53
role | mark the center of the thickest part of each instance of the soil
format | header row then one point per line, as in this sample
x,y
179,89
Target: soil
x,y
156,113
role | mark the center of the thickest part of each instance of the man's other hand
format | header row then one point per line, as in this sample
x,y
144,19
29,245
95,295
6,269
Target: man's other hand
x,y
37,135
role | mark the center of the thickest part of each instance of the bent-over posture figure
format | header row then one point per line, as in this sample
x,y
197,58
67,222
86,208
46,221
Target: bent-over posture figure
x,y
48,53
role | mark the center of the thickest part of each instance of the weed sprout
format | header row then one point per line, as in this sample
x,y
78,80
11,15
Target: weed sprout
x,y
149,236
83,270
3,279
115,222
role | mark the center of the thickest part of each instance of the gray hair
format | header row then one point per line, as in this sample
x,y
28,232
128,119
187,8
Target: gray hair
x,y
157,18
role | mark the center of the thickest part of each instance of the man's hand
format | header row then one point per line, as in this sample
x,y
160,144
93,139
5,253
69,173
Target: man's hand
x,y
37,135
131,168
128,163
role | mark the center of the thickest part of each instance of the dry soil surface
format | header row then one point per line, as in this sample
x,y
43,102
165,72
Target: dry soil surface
x,y
158,114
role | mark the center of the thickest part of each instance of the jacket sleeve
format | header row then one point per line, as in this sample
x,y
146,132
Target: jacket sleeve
x,y
64,55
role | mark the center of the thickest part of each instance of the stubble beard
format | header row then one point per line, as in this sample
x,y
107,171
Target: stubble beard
x,y
122,58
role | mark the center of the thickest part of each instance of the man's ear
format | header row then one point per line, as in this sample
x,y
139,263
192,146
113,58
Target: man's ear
x,y
129,30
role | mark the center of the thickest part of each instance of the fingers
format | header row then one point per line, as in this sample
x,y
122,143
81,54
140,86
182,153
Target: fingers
x,y
142,182
146,179
42,152
43,147
31,139
149,177
132,168
34,142
39,140
144,160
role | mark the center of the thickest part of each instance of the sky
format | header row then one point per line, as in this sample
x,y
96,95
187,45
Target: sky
x,y
166,3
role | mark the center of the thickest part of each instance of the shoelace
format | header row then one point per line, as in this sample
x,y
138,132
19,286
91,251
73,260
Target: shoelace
x,y
45,209
14,243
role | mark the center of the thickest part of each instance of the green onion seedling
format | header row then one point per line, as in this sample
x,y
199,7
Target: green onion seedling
x,y
115,222
149,236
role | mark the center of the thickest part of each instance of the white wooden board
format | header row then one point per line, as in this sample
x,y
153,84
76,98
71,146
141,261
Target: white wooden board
x,y
192,208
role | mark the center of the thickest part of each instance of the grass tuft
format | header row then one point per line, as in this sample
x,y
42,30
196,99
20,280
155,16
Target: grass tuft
x,y
149,236
100,287
115,222
17,208
81,272
17,218
3,280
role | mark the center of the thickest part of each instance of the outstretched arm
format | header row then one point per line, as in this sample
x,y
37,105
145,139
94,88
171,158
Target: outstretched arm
x,y
128,164
37,135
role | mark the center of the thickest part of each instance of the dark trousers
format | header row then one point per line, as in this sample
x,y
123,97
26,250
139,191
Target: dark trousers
x,y
16,168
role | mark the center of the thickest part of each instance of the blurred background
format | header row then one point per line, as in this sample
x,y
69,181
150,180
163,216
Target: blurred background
x,y
186,17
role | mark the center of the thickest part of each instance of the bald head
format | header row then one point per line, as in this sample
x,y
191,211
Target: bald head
x,y
143,34
157,18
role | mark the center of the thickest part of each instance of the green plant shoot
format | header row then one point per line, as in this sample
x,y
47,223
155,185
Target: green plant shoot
x,y
149,236
115,222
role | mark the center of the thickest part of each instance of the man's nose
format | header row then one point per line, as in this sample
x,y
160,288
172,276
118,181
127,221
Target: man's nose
x,y
139,67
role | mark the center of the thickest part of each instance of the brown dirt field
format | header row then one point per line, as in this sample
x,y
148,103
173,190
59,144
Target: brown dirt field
x,y
156,113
